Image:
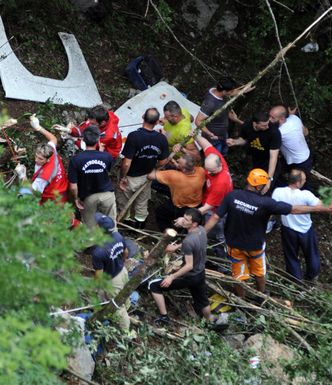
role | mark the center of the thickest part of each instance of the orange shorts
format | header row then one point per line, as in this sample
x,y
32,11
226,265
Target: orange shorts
x,y
245,263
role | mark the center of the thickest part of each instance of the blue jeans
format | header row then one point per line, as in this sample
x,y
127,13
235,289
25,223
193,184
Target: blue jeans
x,y
220,145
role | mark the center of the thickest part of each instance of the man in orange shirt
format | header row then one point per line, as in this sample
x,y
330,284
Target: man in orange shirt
x,y
186,185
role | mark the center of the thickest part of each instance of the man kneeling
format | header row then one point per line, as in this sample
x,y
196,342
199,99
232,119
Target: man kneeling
x,y
192,274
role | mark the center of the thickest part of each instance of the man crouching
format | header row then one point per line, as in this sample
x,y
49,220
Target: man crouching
x,y
192,273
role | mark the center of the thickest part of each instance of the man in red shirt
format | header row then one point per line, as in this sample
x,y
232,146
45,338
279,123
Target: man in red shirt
x,y
218,185
107,121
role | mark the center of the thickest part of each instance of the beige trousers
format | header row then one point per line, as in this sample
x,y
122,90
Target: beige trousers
x,y
103,202
141,203
118,283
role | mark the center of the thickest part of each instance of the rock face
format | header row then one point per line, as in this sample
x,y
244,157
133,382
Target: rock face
x,y
199,13
226,24
84,5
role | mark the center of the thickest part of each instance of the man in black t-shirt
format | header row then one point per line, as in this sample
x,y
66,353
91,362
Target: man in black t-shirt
x,y
263,140
143,150
247,216
89,181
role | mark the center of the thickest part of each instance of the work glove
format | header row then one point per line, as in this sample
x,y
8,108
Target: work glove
x,y
21,171
34,122
60,128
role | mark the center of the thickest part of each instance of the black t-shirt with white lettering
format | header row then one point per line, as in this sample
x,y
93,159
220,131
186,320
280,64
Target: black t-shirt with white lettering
x,y
260,143
247,217
145,148
89,169
109,257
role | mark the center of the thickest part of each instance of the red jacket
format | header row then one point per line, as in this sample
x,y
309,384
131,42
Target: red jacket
x,y
110,134
54,173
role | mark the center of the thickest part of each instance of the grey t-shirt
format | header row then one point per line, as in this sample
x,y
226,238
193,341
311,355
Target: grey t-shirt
x,y
219,125
195,244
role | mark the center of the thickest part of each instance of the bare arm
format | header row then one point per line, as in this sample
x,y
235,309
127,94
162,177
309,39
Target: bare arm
x,y
236,91
162,162
48,135
205,208
272,167
125,254
125,166
211,222
152,175
188,266
305,131
236,142
204,143
273,162
234,118
199,119
301,209
74,190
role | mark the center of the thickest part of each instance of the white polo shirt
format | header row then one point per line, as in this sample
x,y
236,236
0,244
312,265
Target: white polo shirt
x,y
294,147
297,222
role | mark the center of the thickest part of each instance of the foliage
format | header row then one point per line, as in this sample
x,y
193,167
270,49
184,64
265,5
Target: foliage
x,y
200,358
39,272
307,70
326,195
316,367
166,13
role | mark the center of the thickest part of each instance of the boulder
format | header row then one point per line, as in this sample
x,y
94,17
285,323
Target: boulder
x,y
80,361
271,353
199,13
226,24
235,341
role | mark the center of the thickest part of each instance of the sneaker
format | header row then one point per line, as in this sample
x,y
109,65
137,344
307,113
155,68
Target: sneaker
x,y
130,222
140,225
162,320
270,225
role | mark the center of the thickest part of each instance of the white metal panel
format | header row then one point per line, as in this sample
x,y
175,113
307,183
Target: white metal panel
x,y
78,88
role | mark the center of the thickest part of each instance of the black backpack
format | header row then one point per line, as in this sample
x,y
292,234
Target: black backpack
x,y
144,71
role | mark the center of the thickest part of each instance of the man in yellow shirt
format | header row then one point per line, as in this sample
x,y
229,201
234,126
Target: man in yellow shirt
x,y
177,126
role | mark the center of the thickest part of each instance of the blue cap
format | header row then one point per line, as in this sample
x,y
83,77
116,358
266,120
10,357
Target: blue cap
x,y
105,222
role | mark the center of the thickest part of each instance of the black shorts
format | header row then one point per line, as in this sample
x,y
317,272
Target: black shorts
x,y
195,284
